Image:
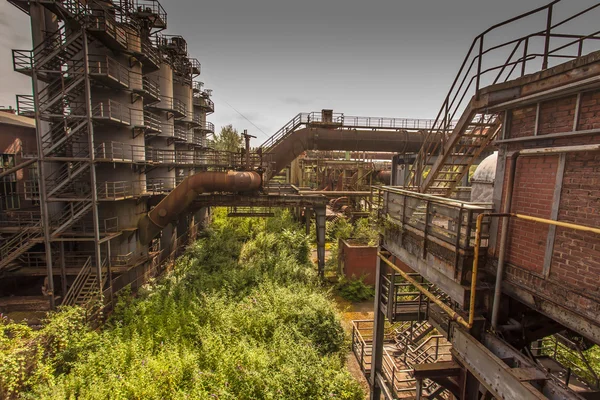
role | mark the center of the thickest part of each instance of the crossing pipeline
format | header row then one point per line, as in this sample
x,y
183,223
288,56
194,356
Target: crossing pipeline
x,y
179,200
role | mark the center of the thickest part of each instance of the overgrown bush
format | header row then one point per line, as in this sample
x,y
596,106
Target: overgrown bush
x,y
240,317
354,289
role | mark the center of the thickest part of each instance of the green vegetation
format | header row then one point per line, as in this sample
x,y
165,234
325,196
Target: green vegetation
x,y
354,289
228,139
363,231
241,317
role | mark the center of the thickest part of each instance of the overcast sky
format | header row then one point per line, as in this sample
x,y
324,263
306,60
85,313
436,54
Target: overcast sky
x,y
271,59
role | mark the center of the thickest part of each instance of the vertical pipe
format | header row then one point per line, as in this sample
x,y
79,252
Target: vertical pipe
x,y
479,61
320,225
88,105
525,50
109,272
63,270
37,13
547,44
378,333
419,389
503,238
307,218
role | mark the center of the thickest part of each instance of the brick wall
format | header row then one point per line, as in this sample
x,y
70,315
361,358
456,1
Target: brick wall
x,y
358,261
575,259
533,191
576,256
589,116
557,116
522,122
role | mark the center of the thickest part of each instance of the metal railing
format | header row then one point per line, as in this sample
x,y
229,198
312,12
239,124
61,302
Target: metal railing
x,y
206,127
346,121
78,284
202,100
69,215
150,53
152,122
185,157
160,156
198,86
151,87
160,185
100,20
154,8
571,357
518,56
449,223
398,375
106,66
113,111
117,151
121,260
26,105
179,107
198,139
19,219
195,67
19,243
121,189
181,132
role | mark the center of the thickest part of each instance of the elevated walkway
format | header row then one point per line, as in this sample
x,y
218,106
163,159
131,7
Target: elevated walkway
x,y
328,131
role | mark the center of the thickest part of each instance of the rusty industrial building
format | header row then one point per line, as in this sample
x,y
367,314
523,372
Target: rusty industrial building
x,y
488,267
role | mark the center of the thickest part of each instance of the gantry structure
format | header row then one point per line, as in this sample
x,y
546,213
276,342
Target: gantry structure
x,y
121,119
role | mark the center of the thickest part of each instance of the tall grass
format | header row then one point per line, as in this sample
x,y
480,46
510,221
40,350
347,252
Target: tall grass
x,y
241,317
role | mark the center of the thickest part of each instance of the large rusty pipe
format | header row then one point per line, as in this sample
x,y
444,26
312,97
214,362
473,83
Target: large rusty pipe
x,y
184,194
384,177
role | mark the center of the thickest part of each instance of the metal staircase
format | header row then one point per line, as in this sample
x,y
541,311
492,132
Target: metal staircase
x,y
85,288
61,134
18,244
69,215
451,148
414,333
60,93
60,183
452,154
55,51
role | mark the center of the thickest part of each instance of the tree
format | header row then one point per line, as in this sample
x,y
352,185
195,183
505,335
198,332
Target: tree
x,y
228,139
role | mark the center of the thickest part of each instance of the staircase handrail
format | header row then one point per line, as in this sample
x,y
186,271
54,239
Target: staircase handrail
x,y
473,70
25,235
78,283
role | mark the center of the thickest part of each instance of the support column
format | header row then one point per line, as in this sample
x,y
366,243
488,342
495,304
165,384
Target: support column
x,y
109,273
307,218
419,389
38,19
320,224
63,270
378,334
471,387
94,188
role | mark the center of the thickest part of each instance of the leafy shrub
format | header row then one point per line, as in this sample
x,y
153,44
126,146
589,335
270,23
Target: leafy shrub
x,y
354,289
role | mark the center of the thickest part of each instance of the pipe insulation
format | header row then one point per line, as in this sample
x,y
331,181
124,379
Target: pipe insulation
x,y
184,194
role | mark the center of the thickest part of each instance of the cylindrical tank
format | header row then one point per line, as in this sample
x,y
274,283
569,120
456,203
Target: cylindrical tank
x,y
482,182
165,83
183,93
134,40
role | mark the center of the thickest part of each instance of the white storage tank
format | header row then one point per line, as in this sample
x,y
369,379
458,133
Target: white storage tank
x,y
482,182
